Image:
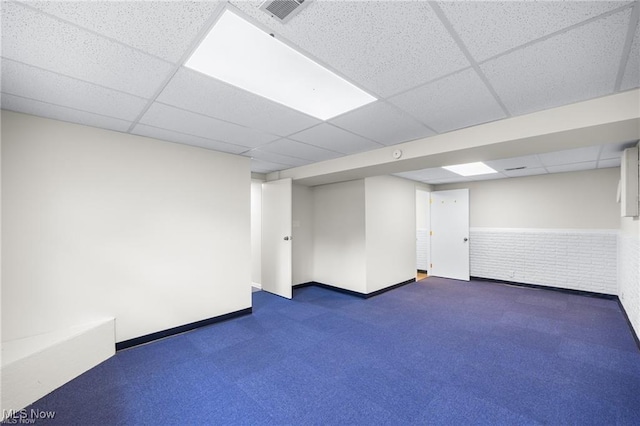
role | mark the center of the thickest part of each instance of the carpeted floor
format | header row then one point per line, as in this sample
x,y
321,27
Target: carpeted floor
x,y
432,352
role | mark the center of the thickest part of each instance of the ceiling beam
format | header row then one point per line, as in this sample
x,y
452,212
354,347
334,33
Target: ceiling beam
x,y
610,119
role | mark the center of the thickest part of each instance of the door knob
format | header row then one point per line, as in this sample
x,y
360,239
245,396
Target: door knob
x,y
287,238
466,239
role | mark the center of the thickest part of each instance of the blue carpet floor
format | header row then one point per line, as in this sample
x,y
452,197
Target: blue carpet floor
x,y
432,352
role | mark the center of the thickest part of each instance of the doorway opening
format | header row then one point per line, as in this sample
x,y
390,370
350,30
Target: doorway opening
x,y
423,243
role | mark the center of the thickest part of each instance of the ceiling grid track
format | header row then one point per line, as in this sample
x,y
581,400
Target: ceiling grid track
x,y
476,67
599,155
66,107
401,111
210,116
292,135
194,44
557,33
435,80
303,143
626,52
293,157
76,79
201,137
540,161
90,31
121,67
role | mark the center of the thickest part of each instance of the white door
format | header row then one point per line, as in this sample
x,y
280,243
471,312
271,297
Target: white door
x,y
450,234
422,229
276,237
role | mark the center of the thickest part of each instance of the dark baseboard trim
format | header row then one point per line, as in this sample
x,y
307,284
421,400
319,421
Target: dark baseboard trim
x,y
330,287
308,284
180,329
546,287
354,293
393,287
626,317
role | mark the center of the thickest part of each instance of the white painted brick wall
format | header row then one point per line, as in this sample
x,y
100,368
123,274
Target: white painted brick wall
x,y
629,270
574,259
422,247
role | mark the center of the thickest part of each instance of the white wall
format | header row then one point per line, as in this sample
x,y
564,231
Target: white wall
x,y
390,208
364,233
579,259
302,232
256,232
103,224
339,235
558,230
629,268
423,221
578,200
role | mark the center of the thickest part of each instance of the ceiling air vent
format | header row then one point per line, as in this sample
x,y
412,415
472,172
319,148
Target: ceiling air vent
x,y
283,10
515,168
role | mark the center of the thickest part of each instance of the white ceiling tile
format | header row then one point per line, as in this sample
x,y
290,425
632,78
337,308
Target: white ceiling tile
x,y
454,102
491,176
437,173
259,166
196,92
434,175
631,77
162,28
413,175
489,28
170,118
36,39
271,157
333,138
168,135
578,155
526,172
33,83
382,123
448,180
614,150
410,175
573,66
612,162
385,46
29,106
529,161
300,150
572,167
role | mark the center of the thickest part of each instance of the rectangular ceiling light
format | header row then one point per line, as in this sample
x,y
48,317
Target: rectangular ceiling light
x,y
243,55
470,169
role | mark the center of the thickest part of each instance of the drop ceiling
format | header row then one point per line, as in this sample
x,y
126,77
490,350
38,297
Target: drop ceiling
x,y
571,160
435,67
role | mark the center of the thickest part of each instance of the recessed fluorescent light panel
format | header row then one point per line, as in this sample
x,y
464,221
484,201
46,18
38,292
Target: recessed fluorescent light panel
x,y
243,55
470,169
